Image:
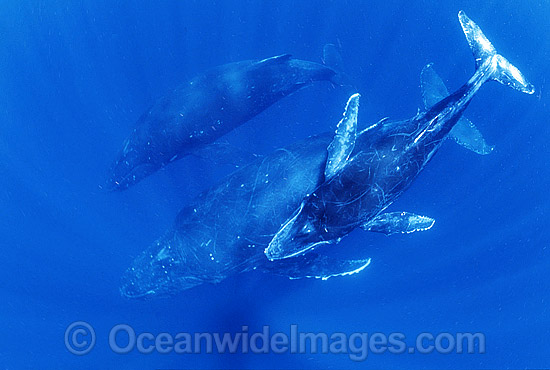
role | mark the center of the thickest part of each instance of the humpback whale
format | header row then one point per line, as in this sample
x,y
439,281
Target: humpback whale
x,y
225,230
198,113
367,171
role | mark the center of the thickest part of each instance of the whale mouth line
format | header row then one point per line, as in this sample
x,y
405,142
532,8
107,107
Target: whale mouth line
x,y
133,176
144,295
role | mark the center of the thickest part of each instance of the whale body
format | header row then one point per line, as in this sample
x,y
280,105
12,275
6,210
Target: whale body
x,y
366,172
315,192
225,230
196,114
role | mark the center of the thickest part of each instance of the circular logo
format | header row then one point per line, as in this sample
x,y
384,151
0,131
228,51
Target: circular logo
x,y
79,338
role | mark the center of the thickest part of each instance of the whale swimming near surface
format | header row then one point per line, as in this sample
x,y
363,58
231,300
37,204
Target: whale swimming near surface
x,y
196,114
366,172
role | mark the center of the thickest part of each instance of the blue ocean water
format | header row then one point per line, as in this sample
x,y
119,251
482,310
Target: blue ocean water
x,y
76,75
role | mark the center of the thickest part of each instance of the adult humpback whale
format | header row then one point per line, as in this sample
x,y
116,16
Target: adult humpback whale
x,y
225,230
366,173
209,106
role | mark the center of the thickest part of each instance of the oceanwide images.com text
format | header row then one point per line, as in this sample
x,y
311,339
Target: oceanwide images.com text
x,y
80,339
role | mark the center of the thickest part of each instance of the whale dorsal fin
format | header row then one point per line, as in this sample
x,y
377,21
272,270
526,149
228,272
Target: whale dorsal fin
x,y
283,58
464,133
343,142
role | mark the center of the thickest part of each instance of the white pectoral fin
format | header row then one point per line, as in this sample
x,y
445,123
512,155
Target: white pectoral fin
x,y
343,143
317,266
399,222
466,134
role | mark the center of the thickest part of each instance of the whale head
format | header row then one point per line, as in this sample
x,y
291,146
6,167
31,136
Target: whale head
x,y
158,272
130,167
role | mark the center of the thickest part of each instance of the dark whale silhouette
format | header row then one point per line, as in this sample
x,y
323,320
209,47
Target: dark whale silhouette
x,y
209,106
366,173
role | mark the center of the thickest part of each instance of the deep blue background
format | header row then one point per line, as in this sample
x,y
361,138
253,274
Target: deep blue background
x,y
75,76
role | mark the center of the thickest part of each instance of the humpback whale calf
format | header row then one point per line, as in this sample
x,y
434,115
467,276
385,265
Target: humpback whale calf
x,y
209,106
226,229
366,172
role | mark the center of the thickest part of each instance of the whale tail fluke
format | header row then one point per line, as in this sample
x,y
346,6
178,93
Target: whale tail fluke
x,y
504,71
333,59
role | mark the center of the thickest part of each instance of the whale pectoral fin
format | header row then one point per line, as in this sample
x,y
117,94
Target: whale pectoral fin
x,y
225,153
317,266
283,58
465,133
343,143
398,222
